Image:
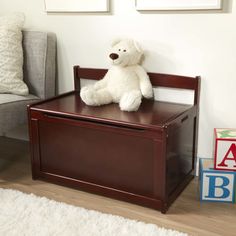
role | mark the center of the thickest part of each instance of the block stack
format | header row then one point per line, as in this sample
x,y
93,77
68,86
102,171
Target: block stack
x,y
218,176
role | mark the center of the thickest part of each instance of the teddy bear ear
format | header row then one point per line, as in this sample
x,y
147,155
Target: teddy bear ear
x,y
137,46
115,41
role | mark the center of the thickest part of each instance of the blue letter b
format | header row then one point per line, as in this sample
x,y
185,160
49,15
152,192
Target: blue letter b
x,y
213,186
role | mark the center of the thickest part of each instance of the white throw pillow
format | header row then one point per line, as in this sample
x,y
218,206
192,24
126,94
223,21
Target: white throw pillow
x,y
11,55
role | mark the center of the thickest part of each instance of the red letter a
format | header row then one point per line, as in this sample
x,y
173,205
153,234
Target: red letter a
x,y
233,150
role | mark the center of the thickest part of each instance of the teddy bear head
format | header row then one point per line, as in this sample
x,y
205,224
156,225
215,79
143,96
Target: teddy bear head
x,y
125,52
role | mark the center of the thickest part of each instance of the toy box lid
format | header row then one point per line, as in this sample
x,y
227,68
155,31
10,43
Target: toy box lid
x,y
150,114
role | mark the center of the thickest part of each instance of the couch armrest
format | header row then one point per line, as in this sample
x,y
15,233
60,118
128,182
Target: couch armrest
x,y
40,63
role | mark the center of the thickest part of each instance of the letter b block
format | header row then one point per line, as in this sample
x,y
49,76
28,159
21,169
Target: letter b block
x,y
225,149
216,185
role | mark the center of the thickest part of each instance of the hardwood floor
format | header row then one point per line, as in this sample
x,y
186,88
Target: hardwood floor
x,y
186,214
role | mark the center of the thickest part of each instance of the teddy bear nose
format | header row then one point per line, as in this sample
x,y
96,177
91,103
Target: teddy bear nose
x,y
113,56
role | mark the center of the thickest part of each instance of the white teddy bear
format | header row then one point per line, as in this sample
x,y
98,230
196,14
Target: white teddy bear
x,y
124,83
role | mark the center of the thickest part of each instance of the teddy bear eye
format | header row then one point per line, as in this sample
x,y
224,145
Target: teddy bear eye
x,y
119,50
124,50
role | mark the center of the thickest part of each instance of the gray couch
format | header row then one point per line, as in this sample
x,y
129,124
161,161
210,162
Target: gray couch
x,y
39,74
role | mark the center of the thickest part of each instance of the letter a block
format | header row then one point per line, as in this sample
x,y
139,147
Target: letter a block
x,y
225,149
216,185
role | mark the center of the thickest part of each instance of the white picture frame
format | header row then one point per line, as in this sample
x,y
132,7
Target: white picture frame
x,y
76,5
168,5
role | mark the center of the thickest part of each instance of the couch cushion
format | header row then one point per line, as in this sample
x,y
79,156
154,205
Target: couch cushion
x,y
13,110
8,98
11,55
40,62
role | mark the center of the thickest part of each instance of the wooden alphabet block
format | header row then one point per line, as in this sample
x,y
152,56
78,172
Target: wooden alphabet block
x,y
216,185
225,149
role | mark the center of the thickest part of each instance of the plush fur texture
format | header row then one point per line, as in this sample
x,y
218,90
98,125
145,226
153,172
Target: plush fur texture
x,y
125,82
27,214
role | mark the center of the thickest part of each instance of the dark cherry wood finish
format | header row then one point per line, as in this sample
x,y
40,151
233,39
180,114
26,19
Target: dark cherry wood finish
x,y
144,157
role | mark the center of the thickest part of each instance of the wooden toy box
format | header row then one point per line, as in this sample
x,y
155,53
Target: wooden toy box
x,y
144,157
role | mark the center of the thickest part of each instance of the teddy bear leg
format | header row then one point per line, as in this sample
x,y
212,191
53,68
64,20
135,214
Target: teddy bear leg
x,y
131,101
87,94
93,97
103,96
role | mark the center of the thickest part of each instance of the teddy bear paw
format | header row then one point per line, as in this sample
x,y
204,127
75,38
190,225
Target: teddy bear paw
x,y
147,91
87,94
130,101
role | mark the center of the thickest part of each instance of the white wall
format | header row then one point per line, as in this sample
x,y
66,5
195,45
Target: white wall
x,y
180,43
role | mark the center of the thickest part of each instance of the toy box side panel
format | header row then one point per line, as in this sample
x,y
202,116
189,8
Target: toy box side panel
x,y
180,151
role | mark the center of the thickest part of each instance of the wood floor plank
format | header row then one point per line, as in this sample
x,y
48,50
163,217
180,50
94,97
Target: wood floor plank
x,y
187,213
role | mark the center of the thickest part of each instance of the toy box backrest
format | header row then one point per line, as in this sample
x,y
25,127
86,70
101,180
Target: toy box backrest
x,y
157,80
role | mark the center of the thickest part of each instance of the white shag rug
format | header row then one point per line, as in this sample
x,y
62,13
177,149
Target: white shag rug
x,y
29,215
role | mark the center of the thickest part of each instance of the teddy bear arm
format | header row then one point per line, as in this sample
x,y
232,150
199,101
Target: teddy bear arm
x,y
101,83
144,82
